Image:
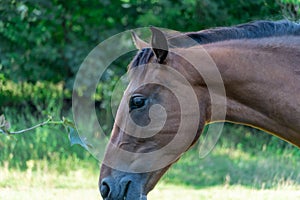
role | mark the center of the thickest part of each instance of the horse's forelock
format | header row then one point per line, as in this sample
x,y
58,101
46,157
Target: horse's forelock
x,y
143,57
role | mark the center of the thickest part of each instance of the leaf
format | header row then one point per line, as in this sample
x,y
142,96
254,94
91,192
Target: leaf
x,y
76,139
1,131
2,120
4,125
68,123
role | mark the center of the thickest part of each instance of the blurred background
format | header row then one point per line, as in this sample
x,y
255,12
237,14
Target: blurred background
x,y
43,43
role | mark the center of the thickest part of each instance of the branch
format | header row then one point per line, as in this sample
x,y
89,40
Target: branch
x,y
4,126
69,125
49,121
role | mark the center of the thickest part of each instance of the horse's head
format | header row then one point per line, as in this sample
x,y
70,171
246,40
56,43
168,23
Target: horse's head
x,y
158,119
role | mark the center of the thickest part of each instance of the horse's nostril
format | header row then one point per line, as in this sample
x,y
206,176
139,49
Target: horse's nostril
x,y
104,189
112,189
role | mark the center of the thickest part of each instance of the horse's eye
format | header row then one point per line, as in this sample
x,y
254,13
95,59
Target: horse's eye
x,y
137,101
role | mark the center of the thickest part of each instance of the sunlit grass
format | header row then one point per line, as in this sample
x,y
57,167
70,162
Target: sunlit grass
x,y
162,192
43,178
166,192
227,174
48,184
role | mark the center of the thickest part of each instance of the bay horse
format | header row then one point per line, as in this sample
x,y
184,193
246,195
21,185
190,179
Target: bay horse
x,y
259,65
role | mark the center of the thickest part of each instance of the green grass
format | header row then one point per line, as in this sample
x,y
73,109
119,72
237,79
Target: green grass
x,y
166,192
48,194
227,173
162,192
229,166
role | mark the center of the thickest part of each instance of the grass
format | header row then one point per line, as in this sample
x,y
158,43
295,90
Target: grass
x,y
48,194
226,173
162,192
263,170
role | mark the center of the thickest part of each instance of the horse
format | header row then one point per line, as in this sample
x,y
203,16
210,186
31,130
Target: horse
x,y
169,97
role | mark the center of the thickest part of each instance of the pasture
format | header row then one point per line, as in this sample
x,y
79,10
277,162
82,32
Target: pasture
x,y
229,172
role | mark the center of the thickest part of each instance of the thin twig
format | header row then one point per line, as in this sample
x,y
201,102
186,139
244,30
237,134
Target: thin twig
x,y
49,121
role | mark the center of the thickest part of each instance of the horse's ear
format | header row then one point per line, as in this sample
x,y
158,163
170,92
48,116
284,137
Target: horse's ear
x,y
159,44
138,42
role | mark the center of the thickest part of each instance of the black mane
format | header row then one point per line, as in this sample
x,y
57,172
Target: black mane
x,y
257,29
252,30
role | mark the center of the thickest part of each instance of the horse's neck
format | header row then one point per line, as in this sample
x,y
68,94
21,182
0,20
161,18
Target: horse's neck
x,y
262,83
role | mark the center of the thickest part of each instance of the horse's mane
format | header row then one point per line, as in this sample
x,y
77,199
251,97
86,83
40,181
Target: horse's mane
x,y
256,29
252,30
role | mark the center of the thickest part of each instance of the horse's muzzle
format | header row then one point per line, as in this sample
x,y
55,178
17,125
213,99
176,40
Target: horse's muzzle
x,y
122,186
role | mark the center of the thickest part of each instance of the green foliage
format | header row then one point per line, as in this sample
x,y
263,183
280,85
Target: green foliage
x,y
48,40
42,97
196,15
290,9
